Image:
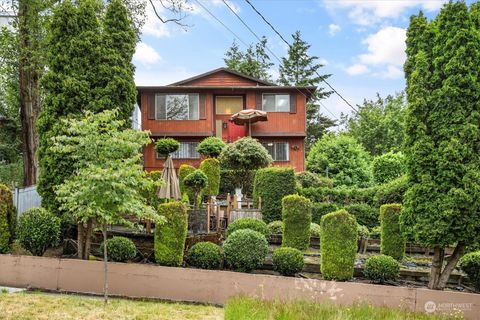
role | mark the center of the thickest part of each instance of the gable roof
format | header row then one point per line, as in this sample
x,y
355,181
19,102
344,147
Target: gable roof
x,y
223,69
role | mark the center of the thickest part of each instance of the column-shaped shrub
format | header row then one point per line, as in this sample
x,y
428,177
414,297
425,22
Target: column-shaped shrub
x,y
297,217
392,241
272,184
211,168
170,236
338,249
7,218
184,171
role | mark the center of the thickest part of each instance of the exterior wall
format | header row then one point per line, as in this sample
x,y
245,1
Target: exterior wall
x,y
296,152
221,78
150,161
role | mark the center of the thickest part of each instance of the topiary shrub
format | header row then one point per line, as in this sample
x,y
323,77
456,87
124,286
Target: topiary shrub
x,y
365,214
297,217
338,249
392,241
38,230
211,147
211,168
170,236
288,261
8,219
470,264
166,146
248,223
120,249
245,250
314,230
196,181
275,227
319,209
307,179
184,171
388,167
392,192
381,268
205,255
272,184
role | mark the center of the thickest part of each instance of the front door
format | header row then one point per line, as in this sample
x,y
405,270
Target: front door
x,y
225,107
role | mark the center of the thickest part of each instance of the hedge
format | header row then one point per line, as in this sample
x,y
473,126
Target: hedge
x,y
388,166
120,249
211,168
205,255
341,196
392,192
392,241
320,209
287,261
170,236
470,264
297,217
245,250
7,219
184,171
307,179
272,184
338,249
248,223
366,215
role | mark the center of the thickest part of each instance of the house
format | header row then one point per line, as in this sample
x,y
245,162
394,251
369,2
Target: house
x,y
195,108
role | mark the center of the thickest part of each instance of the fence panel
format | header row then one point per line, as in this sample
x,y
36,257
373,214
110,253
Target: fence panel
x,y
25,199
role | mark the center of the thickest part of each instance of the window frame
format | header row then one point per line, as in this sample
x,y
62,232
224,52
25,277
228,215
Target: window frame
x,y
276,106
160,157
177,94
228,96
275,143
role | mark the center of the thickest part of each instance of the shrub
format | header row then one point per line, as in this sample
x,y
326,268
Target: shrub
x,y
196,181
338,249
120,249
308,179
170,236
314,230
392,192
184,171
388,167
362,232
211,168
319,209
297,217
38,230
470,264
288,261
205,255
381,268
272,184
7,219
365,214
275,227
248,223
392,241
227,182
245,250
375,232
151,193
166,146
211,147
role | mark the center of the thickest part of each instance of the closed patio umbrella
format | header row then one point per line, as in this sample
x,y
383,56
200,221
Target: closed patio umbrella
x,y
170,189
249,116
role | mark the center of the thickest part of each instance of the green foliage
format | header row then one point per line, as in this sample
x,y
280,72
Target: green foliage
x,y
365,214
363,232
297,217
183,172
319,209
342,158
248,223
245,250
392,240
341,196
228,180
211,147
338,238
12,174
155,180
314,230
205,255
272,184
211,168
120,249
38,230
470,264
388,166
288,261
381,268
166,146
170,237
392,192
196,181
275,227
308,179
8,219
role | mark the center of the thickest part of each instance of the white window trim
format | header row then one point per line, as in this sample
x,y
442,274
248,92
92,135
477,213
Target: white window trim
x,y
166,113
275,149
277,94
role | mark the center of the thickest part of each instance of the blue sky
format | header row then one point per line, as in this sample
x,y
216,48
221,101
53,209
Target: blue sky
x,y
361,43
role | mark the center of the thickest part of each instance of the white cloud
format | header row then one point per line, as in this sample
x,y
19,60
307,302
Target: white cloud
x,y
387,46
392,72
156,77
153,26
145,54
323,61
333,29
357,69
232,5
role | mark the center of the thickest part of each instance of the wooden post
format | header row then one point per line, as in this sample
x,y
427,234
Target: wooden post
x,y
228,207
259,203
148,227
235,202
218,218
208,217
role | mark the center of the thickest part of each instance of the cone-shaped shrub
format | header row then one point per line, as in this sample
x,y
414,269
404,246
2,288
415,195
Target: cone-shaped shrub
x,y
297,217
392,240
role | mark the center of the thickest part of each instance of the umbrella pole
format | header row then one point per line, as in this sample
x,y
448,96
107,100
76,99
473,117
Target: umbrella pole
x,y
249,128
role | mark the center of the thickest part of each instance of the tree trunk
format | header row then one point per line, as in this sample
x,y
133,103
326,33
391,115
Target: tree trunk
x,y
436,268
80,239
439,275
451,264
105,263
88,240
84,239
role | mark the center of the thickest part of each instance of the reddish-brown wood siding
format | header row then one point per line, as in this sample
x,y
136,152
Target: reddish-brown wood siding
x,y
221,78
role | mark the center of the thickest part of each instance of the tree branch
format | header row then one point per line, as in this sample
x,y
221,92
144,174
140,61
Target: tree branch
x,y
177,21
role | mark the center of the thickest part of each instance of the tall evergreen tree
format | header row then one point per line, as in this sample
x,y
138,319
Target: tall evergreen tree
x,y
442,140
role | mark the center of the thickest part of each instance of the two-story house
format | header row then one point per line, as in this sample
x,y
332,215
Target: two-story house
x,y
195,108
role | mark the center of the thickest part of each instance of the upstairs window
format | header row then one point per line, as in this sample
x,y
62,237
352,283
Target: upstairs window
x,y
187,150
276,102
177,106
278,150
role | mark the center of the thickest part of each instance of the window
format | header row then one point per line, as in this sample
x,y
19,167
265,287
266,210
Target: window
x,y
278,150
187,150
228,105
276,102
177,106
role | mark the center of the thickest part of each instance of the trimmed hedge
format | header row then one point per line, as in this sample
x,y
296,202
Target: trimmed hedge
x,y
165,146
319,209
388,166
365,214
120,249
272,184
245,250
297,217
470,264
275,227
314,230
38,230
248,223
183,172
392,241
341,196
381,268
205,255
392,192
338,249
287,261
211,168
170,236
211,147
307,179
7,219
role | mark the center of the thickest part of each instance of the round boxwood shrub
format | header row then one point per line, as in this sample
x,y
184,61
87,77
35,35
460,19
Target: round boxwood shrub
x,y
381,268
470,264
307,179
366,215
272,184
170,236
319,209
211,168
275,227
388,167
314,230
248,223
7,219
392,241
297,217
38,230
245,250
288,261
211,147
338,249
205,255
166,146
120,249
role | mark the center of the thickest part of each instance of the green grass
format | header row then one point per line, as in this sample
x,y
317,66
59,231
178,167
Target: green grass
x,y
250,309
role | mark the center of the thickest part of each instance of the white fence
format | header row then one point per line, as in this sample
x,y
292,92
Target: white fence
x,y
25,199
